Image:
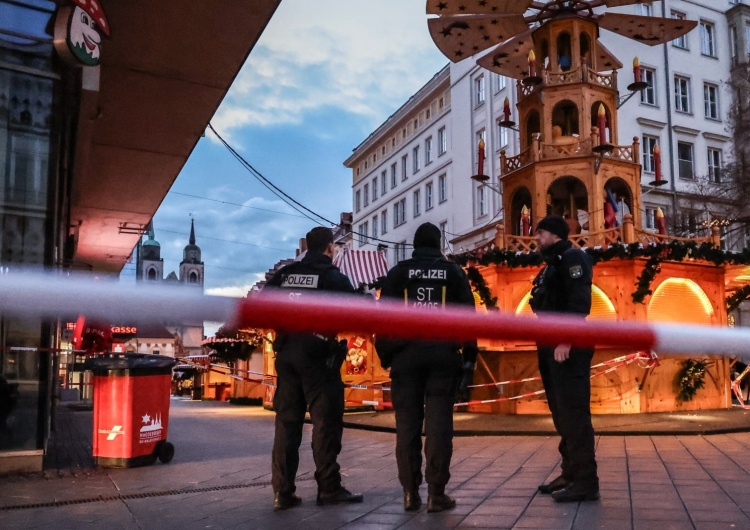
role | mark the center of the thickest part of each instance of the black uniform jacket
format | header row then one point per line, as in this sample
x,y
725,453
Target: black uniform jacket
x,y
426,282
564,284
314,272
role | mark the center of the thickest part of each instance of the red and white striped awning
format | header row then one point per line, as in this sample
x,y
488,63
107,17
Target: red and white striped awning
x,y
361,266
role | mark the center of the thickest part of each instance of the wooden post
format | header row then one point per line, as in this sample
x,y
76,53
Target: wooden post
x,y
500,236
716,236
636,149
535,141
594,136
628,230
503,162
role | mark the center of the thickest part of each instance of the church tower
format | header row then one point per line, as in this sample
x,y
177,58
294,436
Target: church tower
x,y
151,263
191,267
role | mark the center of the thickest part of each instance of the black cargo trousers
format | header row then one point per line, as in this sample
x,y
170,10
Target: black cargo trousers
x,y
304,380
423,387
568,389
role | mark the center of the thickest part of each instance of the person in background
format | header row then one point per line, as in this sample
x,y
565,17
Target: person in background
x,y
564,286
425,375
308,368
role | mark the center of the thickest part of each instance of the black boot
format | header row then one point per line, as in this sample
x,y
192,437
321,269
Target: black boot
x,y
284,502
555,485
577,492
412,501
437,500
341,495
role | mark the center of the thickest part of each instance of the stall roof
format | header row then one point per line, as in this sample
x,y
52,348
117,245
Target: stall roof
x,y
164,72
361,266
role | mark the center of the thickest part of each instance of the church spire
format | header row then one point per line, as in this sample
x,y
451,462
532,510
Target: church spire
x,y
192,232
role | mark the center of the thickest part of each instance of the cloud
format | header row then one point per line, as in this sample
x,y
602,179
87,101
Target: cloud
x,y
365,58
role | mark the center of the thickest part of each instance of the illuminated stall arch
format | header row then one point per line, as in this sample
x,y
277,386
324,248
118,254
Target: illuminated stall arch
x,y
680,300
602,307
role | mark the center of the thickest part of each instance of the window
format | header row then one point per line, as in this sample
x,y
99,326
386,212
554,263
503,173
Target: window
x,y
649,142
375,227
399,213
383,186
404,162
648,94
685,160
401,251
500,83
357,201
643,10
711,101
416,163
479,90
649,220
442,142
747,38
393,175
733,44
366,194
680,42
383,222
482,208
442,191
428,150
374,189
362,233
681,94
502,134
689,222
714,164
428,201
443,228
417,203
708,39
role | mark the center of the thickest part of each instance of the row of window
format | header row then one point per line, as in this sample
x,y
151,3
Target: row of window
x,y
379,185
410,128
707,31
685,158
379,224
479,87
682,94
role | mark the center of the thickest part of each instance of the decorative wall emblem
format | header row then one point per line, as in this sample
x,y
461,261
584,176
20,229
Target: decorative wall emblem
x,y
78,32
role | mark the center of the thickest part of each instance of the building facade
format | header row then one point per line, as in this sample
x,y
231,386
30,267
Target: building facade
x,y
685,110
101,103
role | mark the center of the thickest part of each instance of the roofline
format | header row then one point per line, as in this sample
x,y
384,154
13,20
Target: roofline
x,y
404,109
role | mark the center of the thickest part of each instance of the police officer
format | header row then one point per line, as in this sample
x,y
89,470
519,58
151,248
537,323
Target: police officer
x,y
308,376
425,375
564,286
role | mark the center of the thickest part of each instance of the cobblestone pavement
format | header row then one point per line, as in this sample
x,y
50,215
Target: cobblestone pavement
x,y
220,478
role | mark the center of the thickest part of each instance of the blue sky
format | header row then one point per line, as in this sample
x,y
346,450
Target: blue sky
x,y
324,74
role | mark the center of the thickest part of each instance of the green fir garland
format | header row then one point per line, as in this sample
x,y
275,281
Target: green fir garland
x,y
690,378
654,252
734,301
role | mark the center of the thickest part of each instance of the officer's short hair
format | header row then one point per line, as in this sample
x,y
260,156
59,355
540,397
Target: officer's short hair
x,y
318,239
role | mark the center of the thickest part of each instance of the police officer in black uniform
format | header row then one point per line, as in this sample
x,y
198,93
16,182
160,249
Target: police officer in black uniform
x,y
425,375
308,376
564,286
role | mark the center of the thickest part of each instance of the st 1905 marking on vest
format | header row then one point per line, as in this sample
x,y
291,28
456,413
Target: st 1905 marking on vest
x,y
427,297
304,281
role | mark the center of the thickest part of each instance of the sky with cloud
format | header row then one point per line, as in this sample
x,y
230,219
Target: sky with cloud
x,y
322,77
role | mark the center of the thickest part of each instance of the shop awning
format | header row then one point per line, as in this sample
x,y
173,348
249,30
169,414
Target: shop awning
x,y
362,266
163,73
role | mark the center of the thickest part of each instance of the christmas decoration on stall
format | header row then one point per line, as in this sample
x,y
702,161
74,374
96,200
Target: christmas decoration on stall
x,y
690,378
232,345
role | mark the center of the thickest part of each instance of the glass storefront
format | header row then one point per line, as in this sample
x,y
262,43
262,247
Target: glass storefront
x,y
29,96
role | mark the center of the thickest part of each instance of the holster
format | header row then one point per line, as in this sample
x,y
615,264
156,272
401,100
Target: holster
x,y
336,354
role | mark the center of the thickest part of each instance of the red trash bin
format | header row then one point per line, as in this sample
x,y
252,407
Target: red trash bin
x,y
131,409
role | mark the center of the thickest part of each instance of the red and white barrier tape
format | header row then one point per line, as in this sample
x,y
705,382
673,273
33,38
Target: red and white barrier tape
x,y
57,295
